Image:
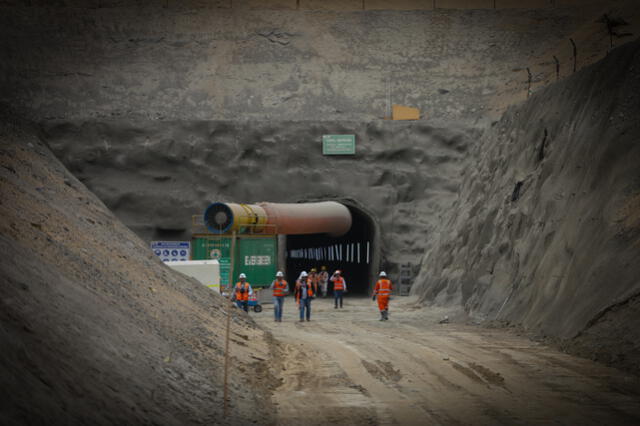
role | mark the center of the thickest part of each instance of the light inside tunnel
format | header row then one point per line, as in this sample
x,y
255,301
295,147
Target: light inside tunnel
x,y
354,253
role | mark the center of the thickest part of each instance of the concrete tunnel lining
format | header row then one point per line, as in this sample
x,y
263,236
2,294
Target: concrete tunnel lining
x,y
356,253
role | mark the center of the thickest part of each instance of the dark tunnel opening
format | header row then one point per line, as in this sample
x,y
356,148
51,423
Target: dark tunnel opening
x,y
355,253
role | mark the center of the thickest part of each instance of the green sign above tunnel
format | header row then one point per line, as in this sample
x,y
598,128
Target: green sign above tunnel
x,y
338,144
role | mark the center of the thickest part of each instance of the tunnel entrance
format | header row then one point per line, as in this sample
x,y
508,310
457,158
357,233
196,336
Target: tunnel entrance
x,y
356,253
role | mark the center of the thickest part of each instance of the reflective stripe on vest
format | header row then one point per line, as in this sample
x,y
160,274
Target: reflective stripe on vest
x,y
338,284
279,288
309,287
384,287
242,293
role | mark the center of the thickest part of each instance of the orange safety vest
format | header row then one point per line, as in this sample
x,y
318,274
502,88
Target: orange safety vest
x,y
299,285
383,287
314,281
279,288
242,294
338,284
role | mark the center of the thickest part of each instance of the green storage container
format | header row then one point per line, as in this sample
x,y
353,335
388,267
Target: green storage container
x,y
219,248
257,257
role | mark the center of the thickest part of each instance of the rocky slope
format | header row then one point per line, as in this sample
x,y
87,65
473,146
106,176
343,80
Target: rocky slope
x,y
546,229
93,328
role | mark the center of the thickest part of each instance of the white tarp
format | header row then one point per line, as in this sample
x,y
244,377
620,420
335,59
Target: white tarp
x,y
205,271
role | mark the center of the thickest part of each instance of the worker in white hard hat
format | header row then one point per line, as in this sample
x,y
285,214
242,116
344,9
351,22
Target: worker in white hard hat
x,y
242,292
304,293
382,292
280,289
339,288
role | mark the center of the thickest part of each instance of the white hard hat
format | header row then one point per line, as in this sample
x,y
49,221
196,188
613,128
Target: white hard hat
x,y
337,272
242,276
383,274
279,274
304,274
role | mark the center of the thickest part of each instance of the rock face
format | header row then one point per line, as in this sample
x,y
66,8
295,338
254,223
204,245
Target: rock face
x,y
94,329
224,102
100,62
546,228
156,175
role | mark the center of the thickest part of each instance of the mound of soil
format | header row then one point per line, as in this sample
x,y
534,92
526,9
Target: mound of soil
x,y
94,328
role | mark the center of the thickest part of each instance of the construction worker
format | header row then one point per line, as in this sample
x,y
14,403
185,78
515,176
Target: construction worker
x,y
382,291
339,287
313,277
280,289
323,280
242,292
304,294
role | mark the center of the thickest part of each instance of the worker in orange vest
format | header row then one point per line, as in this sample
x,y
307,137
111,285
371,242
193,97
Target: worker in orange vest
x,y
339,288
280,289
313,277
304,293
242,292
382,291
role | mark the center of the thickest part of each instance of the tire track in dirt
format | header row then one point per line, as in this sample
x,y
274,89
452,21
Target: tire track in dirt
x,y
363,371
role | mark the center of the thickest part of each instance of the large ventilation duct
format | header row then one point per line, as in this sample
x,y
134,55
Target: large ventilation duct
x,y
271,218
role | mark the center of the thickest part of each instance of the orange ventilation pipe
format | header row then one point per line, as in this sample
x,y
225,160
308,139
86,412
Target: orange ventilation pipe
x,y
275,218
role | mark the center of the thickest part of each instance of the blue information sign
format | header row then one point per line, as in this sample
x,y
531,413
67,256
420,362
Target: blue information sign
x,y
171,250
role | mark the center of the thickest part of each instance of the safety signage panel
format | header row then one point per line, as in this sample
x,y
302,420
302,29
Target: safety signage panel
x,y
171,251
338,144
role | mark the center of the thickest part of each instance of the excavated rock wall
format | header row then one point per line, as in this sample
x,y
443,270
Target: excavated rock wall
x,y
546,228
94,329
182,63
195,104
156,175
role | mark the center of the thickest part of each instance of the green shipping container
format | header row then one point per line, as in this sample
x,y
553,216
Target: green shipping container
x,y
257,257
219,248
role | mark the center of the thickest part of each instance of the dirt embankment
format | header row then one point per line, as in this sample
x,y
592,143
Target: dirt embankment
x,y
93,328
546,232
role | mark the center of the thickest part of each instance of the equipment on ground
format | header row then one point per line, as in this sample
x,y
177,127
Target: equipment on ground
x,y
254,303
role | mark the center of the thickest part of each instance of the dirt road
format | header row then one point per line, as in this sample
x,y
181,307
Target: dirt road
x,y
346,367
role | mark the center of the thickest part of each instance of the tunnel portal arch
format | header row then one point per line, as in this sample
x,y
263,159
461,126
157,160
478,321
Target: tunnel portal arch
x,y
356,253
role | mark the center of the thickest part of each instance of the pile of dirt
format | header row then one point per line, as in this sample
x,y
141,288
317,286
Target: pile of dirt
x,y
94,328
546,230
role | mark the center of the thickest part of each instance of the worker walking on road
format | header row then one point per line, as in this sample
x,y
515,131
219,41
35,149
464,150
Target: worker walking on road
x,y
313,277
280,289
323,280
304,294
382,291
339,287
242,292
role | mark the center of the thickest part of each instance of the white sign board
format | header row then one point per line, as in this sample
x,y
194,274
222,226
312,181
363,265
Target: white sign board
x,y
205,271
172,251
